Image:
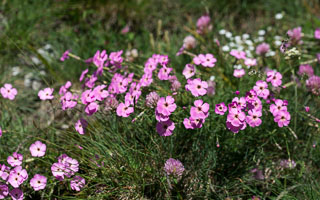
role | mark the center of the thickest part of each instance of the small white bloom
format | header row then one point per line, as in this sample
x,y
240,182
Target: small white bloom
x,y
261,32
277,37
15,71
249,42
36,85
35,60
260,39
240,48
222,32
42,72
134,53
228,34
245,36
232,44
248,54
277,43
279,16
269,28
212,78
251,48
225,48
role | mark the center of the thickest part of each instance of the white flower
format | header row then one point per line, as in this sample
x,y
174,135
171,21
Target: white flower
x,y
212,78
251,48
260,39
225,48
249,42
232,44
15,71
277,43
237,66
222,32
245,36
279,16
261,32
277,37
228,34
248,54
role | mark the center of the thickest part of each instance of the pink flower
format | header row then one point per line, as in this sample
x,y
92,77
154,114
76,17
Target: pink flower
x,y
239,73
282,118
0,132
125,29
4,191
255,104
68,101
87,97
20,172
250,62
240,101
317,33
38,149
165,128
38,182
81,125
275,78
166,106
46,94
203,24
173,167
189,71
277,107
206,60
116,59
306,69
83,74
15,180
253,118
63,89
92,108
236,118
152,99
295,36
307,108
8,91
197,87
189,42
164,73
16,194
251,96
146,80
57,170
261,89
65,55
124,109
77,183
200,110
100,58
15,159
220,109
99,92
262,48
313,84
4,172
238,54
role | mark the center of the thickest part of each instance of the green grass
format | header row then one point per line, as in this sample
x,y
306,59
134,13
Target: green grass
x,y
133,154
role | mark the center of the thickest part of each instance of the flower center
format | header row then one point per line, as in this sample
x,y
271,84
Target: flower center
x,y
199,86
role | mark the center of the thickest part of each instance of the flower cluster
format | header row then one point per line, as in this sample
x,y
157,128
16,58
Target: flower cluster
x,y
173,167
198,113
165,106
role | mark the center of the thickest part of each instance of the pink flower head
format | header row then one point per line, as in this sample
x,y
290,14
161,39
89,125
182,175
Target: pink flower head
x,y
200,110
152,99
63,89
164,73
8,91
46,94
15,159
236,118
189,42
317,33
4,172
135,89
87,97
255,105
4,191
236,129
125,29
262,48
146,80
57,170
77,183
306,69
15,179
197,87
313,84
250,62
83,74
165,128
251,96
173,167
221,108
275,78
0,132
240,101
277,107
188,71
282,118
68,101
38,149
124,109
89,82
295,36
261,88
99,92
116,59
206,60
16,194
100,58
20,172
238,54
166,106
239,73
150,66
307,108
175,85
65,55
234,107
253,118
203,24
111,103
81,125
38,182
92,108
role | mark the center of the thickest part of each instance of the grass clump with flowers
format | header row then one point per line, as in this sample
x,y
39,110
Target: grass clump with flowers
x,y
223,117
